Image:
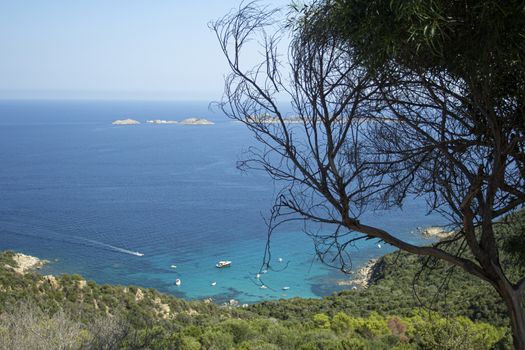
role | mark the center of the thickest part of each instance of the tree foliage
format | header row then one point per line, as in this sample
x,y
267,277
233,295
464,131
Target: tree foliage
x,y
390,100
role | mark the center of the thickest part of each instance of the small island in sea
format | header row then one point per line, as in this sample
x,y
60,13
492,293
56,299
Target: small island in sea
x,y
268,119
196,121
161,121
187,121
126,122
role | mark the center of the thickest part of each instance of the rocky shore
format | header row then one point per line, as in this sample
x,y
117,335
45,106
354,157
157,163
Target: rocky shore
x,y
435,231
362,278
25,263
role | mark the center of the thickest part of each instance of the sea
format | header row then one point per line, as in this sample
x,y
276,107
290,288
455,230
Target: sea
x,y
88,195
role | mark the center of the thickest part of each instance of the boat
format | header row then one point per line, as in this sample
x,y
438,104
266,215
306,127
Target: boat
x,y
263,287
214,284
173,266
280,259
258,276
138,254
223,263
286,288
177,282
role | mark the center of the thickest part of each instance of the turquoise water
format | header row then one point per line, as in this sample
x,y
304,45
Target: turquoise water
x,y
85,194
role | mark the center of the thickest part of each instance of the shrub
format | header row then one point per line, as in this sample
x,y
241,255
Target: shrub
x,y
322,321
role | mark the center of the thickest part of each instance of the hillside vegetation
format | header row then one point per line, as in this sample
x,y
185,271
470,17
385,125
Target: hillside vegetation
x,y
405,307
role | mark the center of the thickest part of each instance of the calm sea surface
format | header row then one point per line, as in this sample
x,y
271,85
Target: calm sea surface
x,y
85,194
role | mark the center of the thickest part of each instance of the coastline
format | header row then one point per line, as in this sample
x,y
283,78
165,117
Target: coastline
x,y
26,263
436,232
362,277
359,278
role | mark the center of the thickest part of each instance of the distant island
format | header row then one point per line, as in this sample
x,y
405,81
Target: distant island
x,y
268,119
126,122
196,121
187,121
161,121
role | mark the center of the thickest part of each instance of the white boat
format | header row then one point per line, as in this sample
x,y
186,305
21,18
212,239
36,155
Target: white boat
x,y
173,266
280,259
223,263
214,284
286,288
138,254
263,287
258,276
177,282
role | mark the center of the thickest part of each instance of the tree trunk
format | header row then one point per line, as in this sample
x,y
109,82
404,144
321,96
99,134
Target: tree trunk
x,y
513,301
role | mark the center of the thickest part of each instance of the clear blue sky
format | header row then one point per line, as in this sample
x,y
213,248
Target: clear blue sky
x,y
111,49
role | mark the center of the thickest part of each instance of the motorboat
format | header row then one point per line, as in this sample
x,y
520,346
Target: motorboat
x,y
214,284
286,288
138,254
223,263
178,282
173,266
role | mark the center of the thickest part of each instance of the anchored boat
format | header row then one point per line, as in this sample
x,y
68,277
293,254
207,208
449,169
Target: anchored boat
x,y
223,263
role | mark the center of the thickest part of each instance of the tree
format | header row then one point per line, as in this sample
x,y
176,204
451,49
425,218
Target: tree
x,y
390,99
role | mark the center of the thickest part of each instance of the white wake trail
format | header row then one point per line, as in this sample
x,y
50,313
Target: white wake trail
x,y
55,236
109,246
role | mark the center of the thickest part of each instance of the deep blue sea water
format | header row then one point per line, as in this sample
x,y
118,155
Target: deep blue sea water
x,y
82,193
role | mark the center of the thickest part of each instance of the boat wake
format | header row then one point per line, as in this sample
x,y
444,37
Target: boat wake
x,y
55,236
109,246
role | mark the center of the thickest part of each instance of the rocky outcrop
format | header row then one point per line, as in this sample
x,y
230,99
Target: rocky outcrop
x,y
434,231
52,281
82,284
363,277
192,312
25,263
139,295
162,310
126,122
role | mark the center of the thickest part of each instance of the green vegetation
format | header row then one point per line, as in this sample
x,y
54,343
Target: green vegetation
x,y
452,311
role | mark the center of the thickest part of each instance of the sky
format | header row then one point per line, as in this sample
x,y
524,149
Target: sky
x,y
112,49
